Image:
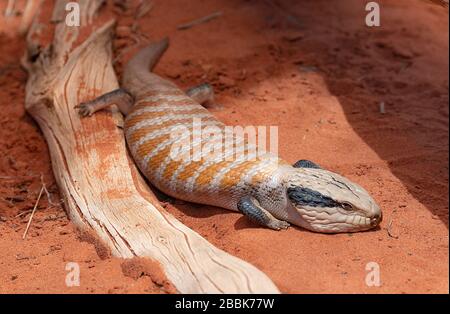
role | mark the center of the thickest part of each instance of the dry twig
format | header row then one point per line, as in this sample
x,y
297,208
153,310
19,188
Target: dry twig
x,y
142,10
389,230
10,8
200,20
24,213
32,213
49,196
17,177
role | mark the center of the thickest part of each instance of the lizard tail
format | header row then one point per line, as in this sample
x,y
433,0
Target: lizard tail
x,y
140,66
147,58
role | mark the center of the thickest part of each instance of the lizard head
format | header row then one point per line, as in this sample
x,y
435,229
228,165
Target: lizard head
x,y
323,201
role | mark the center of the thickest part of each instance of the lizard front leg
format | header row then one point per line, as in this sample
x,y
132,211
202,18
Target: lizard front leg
x,y
119,97
250,207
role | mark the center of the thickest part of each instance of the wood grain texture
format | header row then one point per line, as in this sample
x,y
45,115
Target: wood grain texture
x,y
102,189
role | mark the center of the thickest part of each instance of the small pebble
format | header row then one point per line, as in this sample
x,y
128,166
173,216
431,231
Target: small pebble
x,y
382,108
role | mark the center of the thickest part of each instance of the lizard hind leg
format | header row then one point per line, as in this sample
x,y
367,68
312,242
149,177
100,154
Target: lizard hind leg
x,y
203,94
250,207
119,97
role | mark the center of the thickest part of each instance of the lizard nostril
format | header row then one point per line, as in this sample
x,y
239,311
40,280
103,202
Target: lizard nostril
x,y
376,219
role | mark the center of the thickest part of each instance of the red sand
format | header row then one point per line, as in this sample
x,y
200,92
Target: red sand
x,y
317,72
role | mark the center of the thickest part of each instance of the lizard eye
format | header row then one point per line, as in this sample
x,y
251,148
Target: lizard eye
x,y
347,206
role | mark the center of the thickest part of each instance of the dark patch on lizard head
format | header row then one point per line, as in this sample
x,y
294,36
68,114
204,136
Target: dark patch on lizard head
x,y
307,197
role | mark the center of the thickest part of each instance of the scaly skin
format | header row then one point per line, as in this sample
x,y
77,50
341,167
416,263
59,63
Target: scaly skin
x,y
264,187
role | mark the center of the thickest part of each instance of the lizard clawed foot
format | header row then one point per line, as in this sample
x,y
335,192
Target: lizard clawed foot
x,y
119,97
278,225
85,109
250,207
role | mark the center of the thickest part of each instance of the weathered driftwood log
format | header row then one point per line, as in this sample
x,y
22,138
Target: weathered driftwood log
x,y
102,189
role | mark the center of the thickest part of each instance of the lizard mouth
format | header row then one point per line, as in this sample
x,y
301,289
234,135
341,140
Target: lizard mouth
x,y
337,223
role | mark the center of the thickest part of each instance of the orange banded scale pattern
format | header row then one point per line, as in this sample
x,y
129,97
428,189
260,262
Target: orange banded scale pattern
x,y
213,180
